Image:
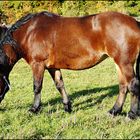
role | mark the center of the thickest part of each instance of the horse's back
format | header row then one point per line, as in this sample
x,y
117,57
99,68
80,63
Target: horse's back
x,y
121,36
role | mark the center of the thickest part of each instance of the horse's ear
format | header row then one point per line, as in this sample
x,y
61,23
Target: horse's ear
x,y
4,27
2,24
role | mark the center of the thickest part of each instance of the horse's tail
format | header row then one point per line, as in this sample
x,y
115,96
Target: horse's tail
x,y
138,67
138,60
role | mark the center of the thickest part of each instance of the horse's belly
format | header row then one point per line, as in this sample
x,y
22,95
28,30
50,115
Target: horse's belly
x,y
81,63
77,63
76,53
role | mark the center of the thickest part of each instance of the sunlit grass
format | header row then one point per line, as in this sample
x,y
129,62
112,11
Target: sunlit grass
x,y
93,92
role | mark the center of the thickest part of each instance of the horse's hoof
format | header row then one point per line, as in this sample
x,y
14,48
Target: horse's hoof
x,y
34,110
110,115
132,116
114,112
67,107
138,113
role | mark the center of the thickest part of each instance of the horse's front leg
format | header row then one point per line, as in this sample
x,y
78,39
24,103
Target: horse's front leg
x,y
58,80
38,73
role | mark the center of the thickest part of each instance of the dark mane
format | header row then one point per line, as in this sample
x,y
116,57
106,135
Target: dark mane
x,y
8,36
21,22
26,18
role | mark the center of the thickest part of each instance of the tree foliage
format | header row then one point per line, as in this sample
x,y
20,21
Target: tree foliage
x,y
16,9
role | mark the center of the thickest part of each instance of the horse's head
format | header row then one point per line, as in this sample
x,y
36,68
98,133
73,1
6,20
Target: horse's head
x,y
4,75
4,68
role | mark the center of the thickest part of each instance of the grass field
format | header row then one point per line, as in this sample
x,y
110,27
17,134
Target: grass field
x,y
93,93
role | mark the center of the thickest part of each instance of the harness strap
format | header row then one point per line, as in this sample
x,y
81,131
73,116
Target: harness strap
x,y
4,77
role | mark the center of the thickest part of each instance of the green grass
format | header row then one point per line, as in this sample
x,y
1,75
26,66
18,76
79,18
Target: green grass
x,y
93,93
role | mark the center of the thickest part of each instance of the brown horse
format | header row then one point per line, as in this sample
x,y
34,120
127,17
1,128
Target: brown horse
x,y
52,42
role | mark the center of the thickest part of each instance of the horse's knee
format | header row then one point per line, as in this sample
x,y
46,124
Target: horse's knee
x,y
134,86
37,87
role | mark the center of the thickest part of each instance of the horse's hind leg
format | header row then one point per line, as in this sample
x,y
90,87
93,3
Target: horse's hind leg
x,y
123,89
38,73
128,81
134,88
58,80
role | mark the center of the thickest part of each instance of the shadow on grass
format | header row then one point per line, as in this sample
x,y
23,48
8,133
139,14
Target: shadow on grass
x,y
2,109
111,91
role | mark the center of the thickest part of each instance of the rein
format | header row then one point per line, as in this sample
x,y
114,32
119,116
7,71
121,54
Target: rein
x,y
8,84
